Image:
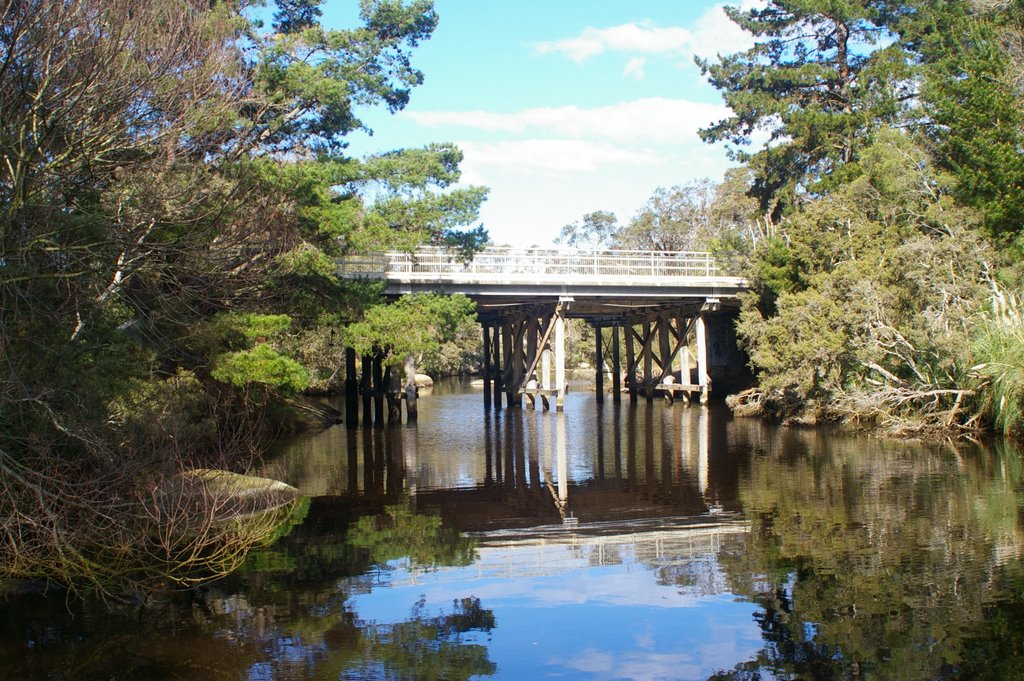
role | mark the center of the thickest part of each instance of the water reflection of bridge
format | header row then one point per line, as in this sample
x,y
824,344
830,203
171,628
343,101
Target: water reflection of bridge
x,y
521,469
683,551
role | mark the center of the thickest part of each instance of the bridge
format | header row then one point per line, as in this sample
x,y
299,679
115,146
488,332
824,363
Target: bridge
x,y
672,310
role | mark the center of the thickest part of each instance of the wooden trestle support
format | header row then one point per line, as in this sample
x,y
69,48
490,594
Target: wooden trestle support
x,y
521,345
520,348
658,358
524,355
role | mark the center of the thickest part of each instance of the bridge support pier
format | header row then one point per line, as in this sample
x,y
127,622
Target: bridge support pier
x,y
523,347
616,366
652,353
487,366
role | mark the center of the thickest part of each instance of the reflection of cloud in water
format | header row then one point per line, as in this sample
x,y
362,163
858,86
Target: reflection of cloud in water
x,y
646,665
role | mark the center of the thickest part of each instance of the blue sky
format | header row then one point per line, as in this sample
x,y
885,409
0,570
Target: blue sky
x,y
563,107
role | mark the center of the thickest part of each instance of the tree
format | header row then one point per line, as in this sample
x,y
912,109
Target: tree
x,y
818,83
174,192
971,97
413,325
596,230
866,306
293,16
676,219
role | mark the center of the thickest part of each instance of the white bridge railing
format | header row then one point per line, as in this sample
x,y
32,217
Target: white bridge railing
x,y
524,262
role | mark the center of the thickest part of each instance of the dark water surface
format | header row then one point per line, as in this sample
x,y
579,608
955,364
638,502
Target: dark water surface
x,y
633,542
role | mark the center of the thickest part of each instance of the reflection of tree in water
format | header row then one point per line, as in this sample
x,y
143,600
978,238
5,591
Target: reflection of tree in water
x,y
426,647
402,533
874,563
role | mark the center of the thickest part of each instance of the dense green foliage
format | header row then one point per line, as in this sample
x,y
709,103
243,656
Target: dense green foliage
x,y
174,194
890,188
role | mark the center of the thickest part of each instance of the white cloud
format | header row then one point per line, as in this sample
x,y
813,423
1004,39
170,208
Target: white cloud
x,y
654,120
553,156
623,38
714,33
635,68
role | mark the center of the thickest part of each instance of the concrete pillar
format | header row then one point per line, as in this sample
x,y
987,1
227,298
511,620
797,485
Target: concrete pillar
x,y
599,364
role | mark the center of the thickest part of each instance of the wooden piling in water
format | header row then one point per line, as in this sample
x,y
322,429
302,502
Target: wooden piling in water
x,y
393,394
367,390
378,390
648,354
630,363
487,365
411,394
351,388
616,366
702,359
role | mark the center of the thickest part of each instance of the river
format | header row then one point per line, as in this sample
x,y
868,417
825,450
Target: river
x,y
645,541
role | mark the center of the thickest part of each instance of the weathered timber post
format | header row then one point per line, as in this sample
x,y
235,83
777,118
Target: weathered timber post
x,y
559,359
616,367
393,394
367,390
532,336
599,351
378,390
630,363
518,369
648,354
684,358
487,365
545,371
411,407
702,359
496,367
351,388
508,353
664,347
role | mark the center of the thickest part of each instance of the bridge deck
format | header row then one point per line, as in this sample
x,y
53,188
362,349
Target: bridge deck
x,y
600,282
